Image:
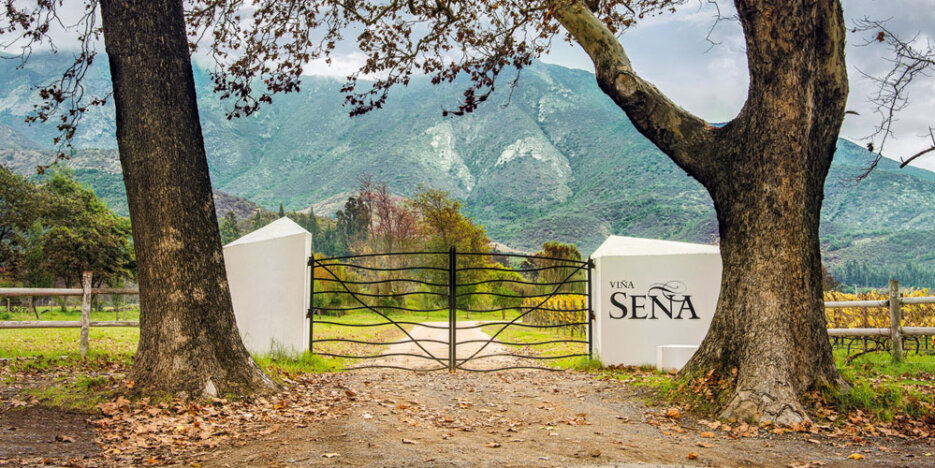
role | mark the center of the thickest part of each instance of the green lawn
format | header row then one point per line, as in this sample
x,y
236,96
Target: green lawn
x,y
53,342
70,313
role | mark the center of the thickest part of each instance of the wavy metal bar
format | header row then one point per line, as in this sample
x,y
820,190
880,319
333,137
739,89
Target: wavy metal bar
x,y
365,306
511,343
381,366
430,293
511,324
389,322
374,356
525,296
520,308
529,283
523,356
536,257
522,270
387,254
332,340
498,369
351,265
398,280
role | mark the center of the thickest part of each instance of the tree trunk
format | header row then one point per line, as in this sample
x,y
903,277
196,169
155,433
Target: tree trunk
x,y
189,343
765,171
770,324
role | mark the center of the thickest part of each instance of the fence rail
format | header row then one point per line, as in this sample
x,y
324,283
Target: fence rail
x,y
86,291
896,332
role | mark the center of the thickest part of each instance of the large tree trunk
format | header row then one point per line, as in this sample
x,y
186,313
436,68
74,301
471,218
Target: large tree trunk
x,y
770,323
189,342
765,171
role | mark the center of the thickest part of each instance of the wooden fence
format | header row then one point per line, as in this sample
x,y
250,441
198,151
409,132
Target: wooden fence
x,y
86,291
896,331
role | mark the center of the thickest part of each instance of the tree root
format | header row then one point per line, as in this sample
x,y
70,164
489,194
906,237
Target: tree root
x,y
757,406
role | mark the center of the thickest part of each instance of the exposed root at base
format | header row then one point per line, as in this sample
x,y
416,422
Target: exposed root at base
x,y
755,406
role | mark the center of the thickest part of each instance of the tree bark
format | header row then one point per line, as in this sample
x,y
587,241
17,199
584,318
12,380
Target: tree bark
x,y
765,171
189,342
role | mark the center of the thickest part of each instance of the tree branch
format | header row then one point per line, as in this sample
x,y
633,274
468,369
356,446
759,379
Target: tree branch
x,y
683,136
908,160
909,59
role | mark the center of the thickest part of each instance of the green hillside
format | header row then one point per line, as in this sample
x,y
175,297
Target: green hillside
x,y
554,160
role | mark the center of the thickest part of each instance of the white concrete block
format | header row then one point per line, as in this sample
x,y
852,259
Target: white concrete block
x,y
674,356
268,274
648,293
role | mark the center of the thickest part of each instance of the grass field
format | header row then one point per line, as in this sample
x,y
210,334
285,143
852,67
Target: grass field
x,y
70,313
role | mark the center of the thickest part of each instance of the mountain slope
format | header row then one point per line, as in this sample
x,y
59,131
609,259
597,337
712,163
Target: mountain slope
x,y
553,159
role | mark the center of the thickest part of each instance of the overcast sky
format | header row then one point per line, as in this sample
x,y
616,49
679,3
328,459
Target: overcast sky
x,y
711,81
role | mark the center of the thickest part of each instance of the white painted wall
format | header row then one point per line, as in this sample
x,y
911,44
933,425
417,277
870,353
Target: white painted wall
x,y
269,281
629,324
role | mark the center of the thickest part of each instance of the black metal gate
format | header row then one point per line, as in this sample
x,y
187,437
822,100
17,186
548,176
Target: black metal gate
x,y
387,293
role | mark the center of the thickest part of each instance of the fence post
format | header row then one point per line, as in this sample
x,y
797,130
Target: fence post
x,y
452,310
311,303
85,313
590,312
896,316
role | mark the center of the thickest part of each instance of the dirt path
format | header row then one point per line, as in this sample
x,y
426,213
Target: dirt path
x,y
431,352
392,418
532,419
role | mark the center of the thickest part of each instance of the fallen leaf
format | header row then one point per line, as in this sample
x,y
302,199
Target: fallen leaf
x,y
673,413
330,455
64,438
704,444
691,455
855,456
492,445
410,442
708,435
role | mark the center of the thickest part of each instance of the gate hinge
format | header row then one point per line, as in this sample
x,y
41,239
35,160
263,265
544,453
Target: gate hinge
x,y
591,314
308,313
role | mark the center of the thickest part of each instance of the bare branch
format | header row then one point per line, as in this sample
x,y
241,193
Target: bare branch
x,y
908,62
28,25
908,160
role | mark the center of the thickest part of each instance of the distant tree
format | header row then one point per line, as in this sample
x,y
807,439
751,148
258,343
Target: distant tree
x,y
557,271
354,220
393,224
257,220
282,212
312,223
83,234
230,230
443,225
18,212
828,282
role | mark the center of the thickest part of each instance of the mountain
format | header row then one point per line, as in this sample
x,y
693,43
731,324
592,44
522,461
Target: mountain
x,y
551,159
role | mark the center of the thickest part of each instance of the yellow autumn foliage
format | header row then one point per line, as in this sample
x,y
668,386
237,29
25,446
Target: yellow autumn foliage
x,y
914,315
